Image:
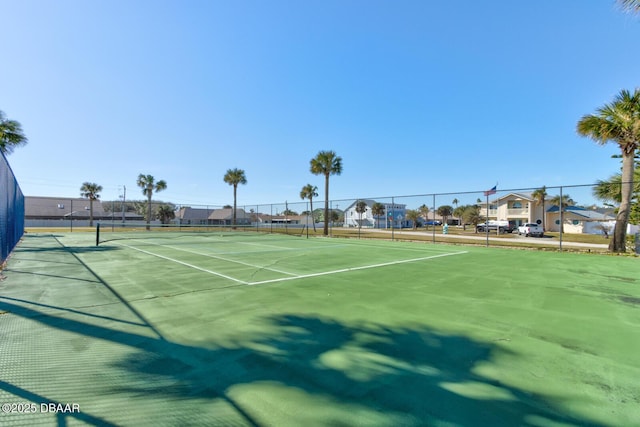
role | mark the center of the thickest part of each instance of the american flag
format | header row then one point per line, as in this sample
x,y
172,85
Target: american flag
x,y
490,192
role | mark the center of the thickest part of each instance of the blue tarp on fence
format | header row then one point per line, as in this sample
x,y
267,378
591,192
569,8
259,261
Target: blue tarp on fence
x,y
11,210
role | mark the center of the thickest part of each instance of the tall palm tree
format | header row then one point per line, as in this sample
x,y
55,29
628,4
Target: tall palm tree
x,y
91,191
455,202
149,185
618,122
377,210
326,163
11,135
539,196
234,177
309,192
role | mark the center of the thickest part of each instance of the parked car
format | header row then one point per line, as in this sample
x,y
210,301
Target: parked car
x,y
531,229
433,222
500,226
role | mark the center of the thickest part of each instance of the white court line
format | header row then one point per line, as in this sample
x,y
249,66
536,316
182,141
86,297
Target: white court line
x,y
186,264
226,259
303,276
364,267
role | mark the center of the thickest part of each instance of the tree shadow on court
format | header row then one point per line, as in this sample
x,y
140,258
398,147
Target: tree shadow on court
x,y
407,376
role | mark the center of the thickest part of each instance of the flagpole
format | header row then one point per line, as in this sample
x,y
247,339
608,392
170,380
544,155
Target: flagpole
x,y
486,221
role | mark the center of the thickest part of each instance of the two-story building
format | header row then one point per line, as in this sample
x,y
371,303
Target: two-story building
x,y
517,208
520,208
394,216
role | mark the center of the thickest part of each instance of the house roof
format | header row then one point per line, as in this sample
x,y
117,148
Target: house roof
x,y
188,213
59,207
526,195
370,203
227,213
583,213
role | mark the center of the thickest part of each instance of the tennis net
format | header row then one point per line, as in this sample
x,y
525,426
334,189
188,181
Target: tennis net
x,y
109,231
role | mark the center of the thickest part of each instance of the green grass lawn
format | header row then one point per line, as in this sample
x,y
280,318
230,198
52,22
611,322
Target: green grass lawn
x,y
279,330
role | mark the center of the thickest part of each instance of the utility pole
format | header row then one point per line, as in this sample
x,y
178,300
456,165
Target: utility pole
x,y
124,199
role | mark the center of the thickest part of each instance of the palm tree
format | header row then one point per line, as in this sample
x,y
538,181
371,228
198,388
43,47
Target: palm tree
x,y
445,211
309,192
562,202
424,212
459,213
234,177
166,213
455,202
11,135
472,216
326,163
539,196
361,207
609,191
618,122
149,185
412,215
630,5
91,191
377,210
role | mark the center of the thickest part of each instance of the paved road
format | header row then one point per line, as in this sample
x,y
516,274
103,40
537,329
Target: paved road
x,y
549,241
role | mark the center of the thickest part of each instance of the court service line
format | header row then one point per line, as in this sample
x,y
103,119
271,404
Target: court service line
x,y
186,264
364,267
226,259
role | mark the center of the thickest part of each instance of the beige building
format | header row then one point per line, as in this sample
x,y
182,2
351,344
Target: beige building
x,y
520,208
517,208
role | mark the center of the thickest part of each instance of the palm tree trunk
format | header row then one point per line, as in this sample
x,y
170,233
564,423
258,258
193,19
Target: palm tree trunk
x,y
149,210
618,243
235,190
326,205
312,218
90,212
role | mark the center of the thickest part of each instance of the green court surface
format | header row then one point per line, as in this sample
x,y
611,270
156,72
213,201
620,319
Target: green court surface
x,y
249,329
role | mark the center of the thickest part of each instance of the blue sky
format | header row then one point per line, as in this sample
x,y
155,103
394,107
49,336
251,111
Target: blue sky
x,y
416,97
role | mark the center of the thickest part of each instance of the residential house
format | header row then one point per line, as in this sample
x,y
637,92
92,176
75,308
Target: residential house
x,y
394,216
517,208
576,219
61,211
224,216
193,216
520,208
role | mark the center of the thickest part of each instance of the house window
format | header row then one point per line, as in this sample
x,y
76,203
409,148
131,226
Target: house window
x,y
60,206
516,205
575,222
557,221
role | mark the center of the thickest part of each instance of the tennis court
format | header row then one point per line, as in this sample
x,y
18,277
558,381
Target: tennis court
x,y
259,329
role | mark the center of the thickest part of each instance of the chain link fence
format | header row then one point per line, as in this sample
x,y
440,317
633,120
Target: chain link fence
x,y
11,210
564,215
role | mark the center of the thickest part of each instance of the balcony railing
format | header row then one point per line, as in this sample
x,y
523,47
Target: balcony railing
x,y
515,212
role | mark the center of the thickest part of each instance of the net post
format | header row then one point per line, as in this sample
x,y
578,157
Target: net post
x,y
97,234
